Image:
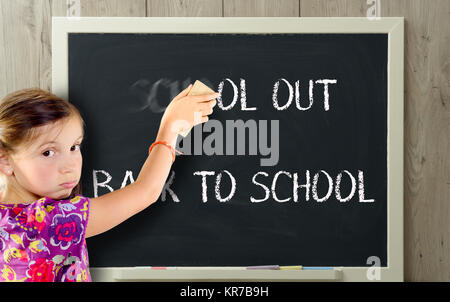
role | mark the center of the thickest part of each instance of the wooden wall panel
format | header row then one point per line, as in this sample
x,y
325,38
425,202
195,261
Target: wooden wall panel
x,y
22,44
261,8
184,8
58,8
333,8
113,8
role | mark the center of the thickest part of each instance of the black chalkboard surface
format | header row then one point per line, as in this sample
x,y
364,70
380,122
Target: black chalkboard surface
x,y
314,110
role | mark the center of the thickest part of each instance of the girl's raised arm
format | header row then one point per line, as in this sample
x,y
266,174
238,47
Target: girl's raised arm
x,y
113,208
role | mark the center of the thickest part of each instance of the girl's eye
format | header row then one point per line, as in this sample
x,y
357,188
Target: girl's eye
x,y
79,146
47,152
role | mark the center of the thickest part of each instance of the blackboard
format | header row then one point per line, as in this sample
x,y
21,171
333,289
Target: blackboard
x,y
122,83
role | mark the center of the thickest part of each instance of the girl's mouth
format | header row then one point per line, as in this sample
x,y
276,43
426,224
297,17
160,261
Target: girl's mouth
x,y
68,185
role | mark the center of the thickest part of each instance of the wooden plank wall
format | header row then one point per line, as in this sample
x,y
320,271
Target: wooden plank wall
x,y
25,61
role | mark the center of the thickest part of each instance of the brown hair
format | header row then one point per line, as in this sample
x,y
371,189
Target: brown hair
x,y
24,110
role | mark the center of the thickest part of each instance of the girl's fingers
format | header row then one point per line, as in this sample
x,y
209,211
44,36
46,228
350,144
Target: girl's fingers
x,y
207,111
200,118
204,98
206,107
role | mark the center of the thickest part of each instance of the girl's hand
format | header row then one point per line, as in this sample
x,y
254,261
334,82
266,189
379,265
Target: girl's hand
x,y
184,112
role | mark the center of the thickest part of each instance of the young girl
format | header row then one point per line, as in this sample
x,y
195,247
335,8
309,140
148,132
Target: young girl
x,y
44,218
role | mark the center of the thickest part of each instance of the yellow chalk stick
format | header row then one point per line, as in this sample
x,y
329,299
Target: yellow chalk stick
x,y
291,267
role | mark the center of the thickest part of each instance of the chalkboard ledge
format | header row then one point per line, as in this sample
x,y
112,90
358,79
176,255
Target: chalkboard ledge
x,y
129,274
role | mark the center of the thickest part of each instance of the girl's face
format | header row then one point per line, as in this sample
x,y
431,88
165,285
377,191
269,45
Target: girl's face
x,y
52,159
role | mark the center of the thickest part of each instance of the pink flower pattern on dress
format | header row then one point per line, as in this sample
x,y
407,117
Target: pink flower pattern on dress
x,y
44,241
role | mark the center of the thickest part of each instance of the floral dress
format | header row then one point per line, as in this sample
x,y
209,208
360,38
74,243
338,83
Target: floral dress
x,y
44,240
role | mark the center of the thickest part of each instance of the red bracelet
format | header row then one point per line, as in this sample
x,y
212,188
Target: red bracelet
x,y
167,145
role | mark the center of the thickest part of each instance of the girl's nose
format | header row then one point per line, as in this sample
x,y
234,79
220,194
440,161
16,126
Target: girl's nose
x,y
70,165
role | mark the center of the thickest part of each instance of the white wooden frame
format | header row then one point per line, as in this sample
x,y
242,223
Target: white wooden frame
x,y
393,26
